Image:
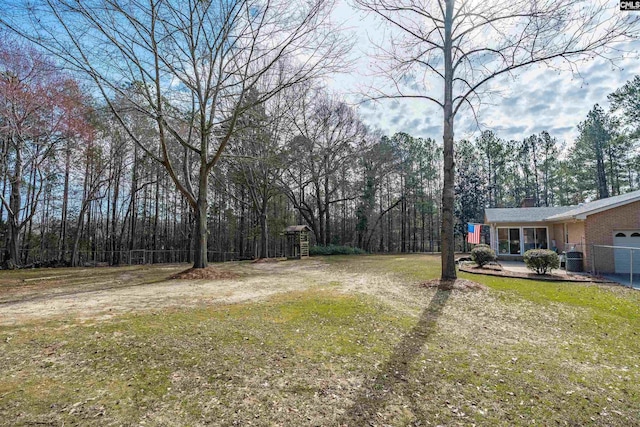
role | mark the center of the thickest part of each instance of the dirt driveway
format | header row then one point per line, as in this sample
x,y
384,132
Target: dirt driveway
x,y
103,292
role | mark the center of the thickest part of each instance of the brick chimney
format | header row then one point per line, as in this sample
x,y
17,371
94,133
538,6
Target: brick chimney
x,y
528,202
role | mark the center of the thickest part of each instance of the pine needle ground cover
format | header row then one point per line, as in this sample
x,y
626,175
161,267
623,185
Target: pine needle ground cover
x,y
357,342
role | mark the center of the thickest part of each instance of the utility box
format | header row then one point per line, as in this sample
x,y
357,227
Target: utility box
x,y
574,261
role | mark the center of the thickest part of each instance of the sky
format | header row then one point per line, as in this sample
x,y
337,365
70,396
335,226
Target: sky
x,y
537,99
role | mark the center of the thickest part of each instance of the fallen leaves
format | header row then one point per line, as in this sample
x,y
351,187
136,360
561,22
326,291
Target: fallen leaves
x,y
211,273
457,284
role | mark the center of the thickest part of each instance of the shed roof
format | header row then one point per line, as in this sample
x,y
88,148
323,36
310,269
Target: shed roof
x,y
559,213
296,228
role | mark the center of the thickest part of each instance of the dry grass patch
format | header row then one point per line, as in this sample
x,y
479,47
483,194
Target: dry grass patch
x,y
45,283
458,284
210,273
357,342
288,360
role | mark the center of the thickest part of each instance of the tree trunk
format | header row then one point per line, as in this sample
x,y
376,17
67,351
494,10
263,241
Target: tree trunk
x,y
327,218
65,205
403,217
11,255
188,230
75,250
86,201
200,255
30,203
241,243
115,260
603,190
134,192
3,159
448,250
263,229
156,214
320,236
536,173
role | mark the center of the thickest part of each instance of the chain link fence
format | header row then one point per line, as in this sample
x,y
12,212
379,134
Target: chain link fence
x,y
618,263
51,258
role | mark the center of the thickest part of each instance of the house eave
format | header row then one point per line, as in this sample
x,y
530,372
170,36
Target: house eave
x,y
498,223
566,218
582,216
605,208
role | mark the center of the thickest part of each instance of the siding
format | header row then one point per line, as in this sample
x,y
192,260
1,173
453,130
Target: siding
x,y
558,235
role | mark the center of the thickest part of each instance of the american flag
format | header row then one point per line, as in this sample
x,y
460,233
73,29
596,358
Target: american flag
x,y
473,235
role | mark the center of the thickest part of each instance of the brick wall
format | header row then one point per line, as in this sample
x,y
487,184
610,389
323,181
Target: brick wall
x,y
576,234
599,229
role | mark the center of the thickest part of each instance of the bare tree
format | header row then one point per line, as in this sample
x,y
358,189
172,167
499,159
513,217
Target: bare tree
x,y
39,108
95,163
464,45
186,66
257,157
328,133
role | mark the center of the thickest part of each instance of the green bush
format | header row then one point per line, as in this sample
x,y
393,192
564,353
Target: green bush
x,y
335,250
541,260
483,254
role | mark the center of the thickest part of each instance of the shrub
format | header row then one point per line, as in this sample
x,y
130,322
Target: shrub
x,y
483,254
335,250
541,260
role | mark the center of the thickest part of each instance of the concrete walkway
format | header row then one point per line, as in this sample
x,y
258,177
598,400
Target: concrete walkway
x,y
624,279
519,267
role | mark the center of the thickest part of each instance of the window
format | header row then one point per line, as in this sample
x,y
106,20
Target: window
x,y
541,238
512,241
535,238
529,237
635,234
503,240
621,235
509,241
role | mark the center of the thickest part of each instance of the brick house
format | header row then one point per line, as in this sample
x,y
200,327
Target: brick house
x,y
614,221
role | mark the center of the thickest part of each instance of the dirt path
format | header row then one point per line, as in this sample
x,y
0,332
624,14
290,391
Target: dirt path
x,y
84,294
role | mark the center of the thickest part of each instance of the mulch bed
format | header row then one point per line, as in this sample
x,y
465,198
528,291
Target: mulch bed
x,y
210,273
458,284
494,270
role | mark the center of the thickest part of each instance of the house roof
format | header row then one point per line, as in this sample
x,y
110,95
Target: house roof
x,y
559,213
504,215
585,209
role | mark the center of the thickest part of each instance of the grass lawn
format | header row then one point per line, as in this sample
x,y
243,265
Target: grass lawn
x,y
357,343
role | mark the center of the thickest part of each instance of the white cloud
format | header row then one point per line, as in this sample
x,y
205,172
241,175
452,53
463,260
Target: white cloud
x,y
539,98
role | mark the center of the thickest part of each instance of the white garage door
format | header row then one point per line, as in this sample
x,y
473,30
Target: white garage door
x,y
628,239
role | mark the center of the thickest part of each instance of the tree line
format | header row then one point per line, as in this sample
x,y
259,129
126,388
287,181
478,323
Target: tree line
x,y
217,125
76,187
603,161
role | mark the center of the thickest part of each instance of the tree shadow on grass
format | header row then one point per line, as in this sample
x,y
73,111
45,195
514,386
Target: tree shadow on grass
x,y
374,393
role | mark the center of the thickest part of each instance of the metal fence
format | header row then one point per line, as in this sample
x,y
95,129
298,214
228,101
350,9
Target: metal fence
x,y
39,258
579,247
618,263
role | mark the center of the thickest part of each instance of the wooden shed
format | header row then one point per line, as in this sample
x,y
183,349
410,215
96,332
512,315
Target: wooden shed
x,y
297,241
